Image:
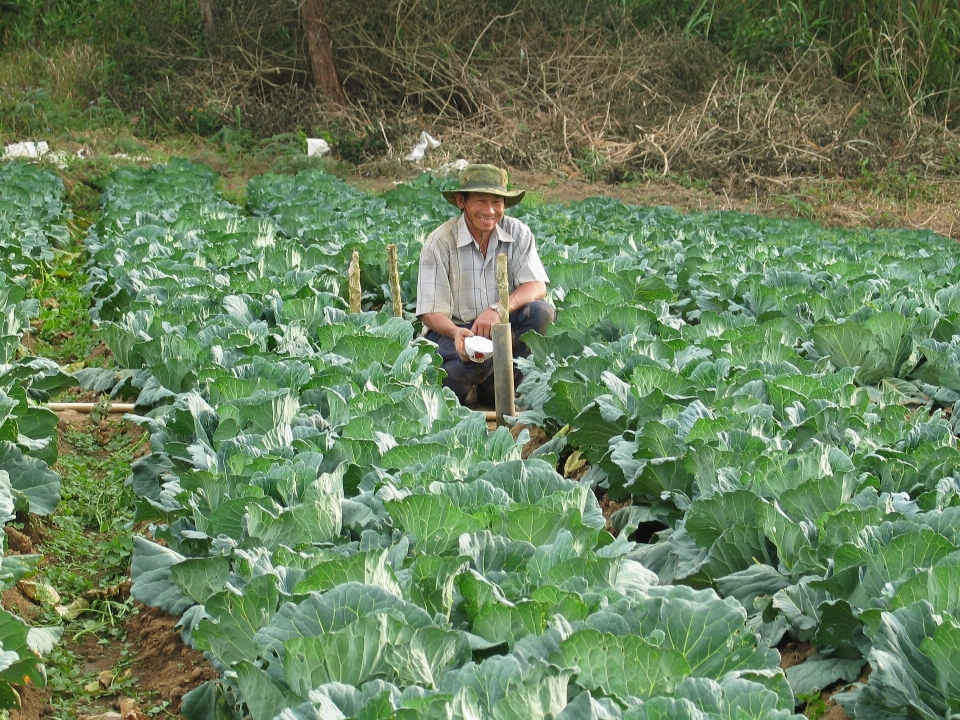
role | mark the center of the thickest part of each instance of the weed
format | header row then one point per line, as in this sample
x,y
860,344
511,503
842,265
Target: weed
x,y
158,708
116,551
77,688
63,327
815,706
896,184
592,164
128,145
62,330
89,538
104,618
359,146
648,176
800,207
55,87
88,545
533,198
65,680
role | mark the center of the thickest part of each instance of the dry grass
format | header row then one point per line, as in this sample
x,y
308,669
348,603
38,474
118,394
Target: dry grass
x,y
606,101
69,73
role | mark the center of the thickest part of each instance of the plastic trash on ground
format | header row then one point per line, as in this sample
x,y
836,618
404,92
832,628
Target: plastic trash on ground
x,y
426,142
317,146
451,169
125,156
58,158
31,150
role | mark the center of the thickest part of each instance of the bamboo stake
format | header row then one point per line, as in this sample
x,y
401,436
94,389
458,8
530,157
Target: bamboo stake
x,y
503,287
88,407
394,280
353,278
489,415
503,391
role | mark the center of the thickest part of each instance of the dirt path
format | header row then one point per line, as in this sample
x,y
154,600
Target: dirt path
x,y
135,665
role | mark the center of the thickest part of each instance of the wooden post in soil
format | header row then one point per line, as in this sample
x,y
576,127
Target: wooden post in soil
x,y
353,279
394,280
503,391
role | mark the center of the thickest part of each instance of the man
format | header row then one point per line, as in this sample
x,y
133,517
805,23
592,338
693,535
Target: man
x,y
457,292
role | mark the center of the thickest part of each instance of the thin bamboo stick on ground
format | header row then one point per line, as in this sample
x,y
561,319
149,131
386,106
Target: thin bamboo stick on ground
x,y
88,407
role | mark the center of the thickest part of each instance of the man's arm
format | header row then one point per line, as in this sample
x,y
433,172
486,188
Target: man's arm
x,y
524,294
438,322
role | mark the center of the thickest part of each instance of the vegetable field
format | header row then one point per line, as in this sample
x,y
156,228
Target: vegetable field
x,y
773,402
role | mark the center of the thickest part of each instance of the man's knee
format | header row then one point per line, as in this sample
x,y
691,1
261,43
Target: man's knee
x,y
461,376
535,316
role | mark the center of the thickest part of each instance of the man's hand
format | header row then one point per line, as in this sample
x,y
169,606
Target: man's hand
x,y
459,336
481,326
442,324
526,293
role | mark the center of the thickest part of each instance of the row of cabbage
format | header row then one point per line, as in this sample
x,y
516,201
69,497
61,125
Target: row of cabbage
x,y
776,399
338,535
32,226
779,409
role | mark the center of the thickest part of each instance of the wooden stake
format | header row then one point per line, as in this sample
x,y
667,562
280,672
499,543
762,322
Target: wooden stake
x,y
503,390
394,280
353,278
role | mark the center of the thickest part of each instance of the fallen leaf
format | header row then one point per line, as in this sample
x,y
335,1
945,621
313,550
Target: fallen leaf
x,y
74,610
130,710
41,592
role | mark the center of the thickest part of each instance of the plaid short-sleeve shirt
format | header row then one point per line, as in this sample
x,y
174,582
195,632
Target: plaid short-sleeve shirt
x,y
456,280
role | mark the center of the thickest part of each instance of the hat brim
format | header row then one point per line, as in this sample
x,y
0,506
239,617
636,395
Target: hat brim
x,y
510,197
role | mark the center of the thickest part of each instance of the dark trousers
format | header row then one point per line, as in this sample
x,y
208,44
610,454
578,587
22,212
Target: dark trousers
x,y
461,376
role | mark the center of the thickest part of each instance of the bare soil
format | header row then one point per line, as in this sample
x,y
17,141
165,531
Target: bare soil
x,y
158,667
164,664
163,670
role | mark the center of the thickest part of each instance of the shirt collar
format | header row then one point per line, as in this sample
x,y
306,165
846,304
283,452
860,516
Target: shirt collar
x,y
464,237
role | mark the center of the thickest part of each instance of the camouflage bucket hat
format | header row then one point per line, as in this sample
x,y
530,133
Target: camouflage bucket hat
x,y
484,179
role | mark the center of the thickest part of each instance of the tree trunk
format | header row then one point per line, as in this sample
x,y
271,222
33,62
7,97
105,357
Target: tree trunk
x,y
209,19
320,48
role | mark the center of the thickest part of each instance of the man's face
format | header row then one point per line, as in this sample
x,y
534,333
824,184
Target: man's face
x,y
482,210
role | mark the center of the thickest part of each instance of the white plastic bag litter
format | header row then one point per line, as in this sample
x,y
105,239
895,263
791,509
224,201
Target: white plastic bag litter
x,y
58,158
317,146
29,149
452,169
425,142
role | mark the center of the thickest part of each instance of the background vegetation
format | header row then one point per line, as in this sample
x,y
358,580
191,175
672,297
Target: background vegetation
x,y
612,88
